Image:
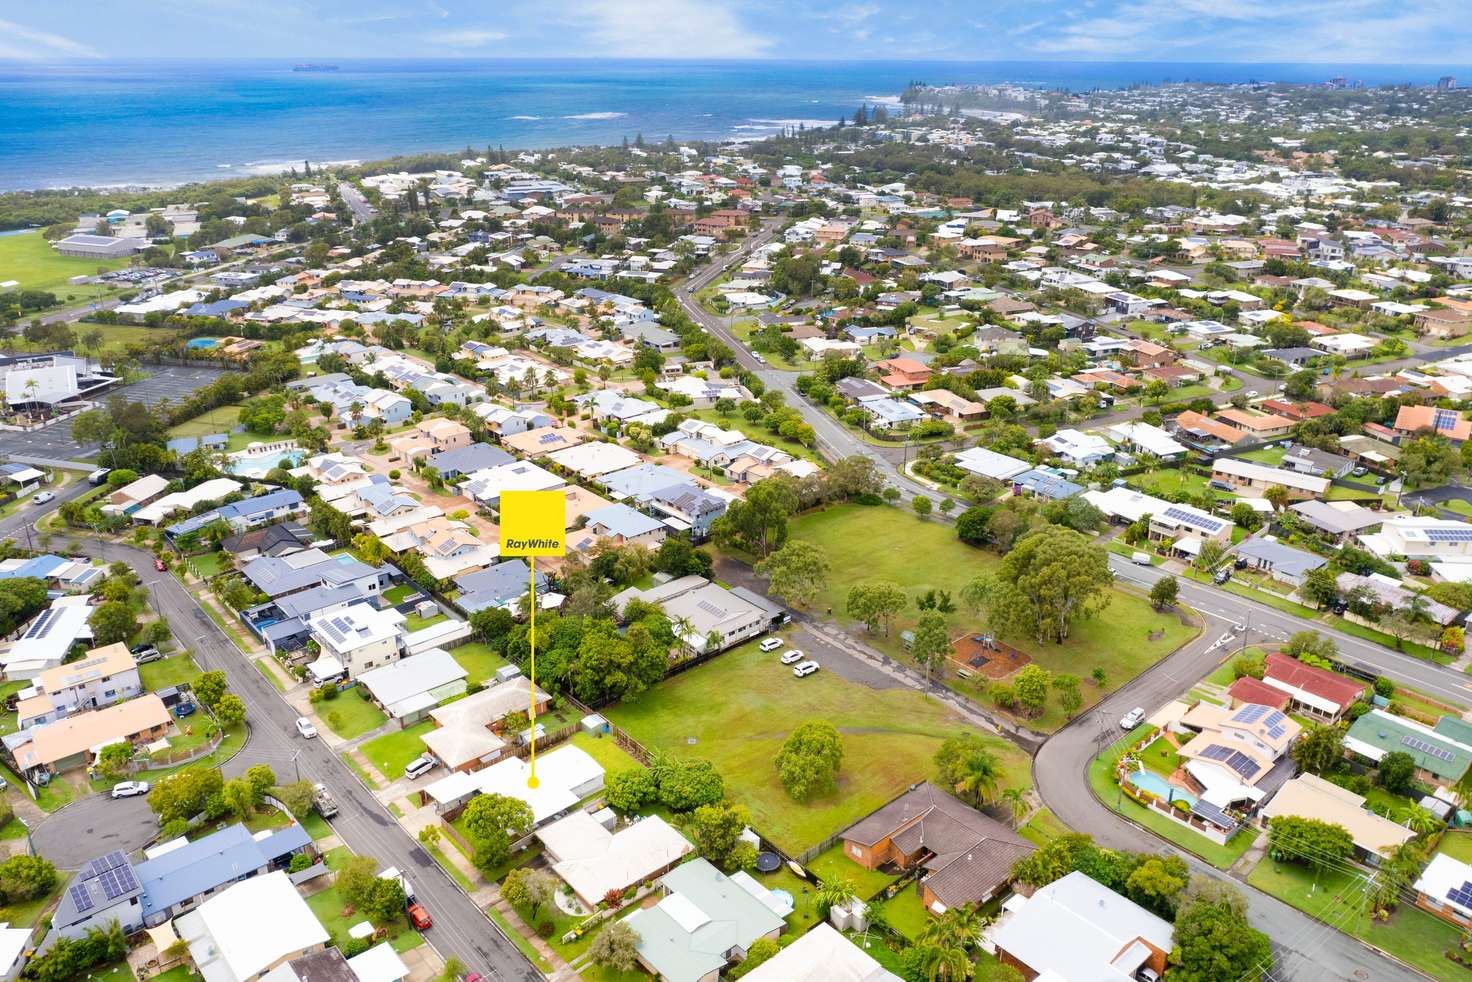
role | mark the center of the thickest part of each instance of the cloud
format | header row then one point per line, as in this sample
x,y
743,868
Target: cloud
x,y
667,29
36,45
465,37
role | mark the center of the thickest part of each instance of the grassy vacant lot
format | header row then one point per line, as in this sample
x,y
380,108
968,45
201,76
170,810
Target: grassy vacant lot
x,y
736,711
29,259
880,543
478,659
1411,934
392,752
174,670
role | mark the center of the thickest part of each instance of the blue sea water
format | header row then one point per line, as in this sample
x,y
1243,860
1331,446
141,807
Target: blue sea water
x,y
159,122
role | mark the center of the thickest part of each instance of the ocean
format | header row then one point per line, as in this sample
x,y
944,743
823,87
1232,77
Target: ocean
x,y
166,122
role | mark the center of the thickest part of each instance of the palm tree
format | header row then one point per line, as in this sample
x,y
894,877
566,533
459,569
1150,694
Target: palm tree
x,y
684,629
944,963
979,774
1420,820
835,892
1016,799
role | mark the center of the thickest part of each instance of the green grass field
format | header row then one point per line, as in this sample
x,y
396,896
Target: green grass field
x,y
350,715
330,909
479,659
736,710
1169,480
215,421
173,670
880,543
29,259
833,865
392,752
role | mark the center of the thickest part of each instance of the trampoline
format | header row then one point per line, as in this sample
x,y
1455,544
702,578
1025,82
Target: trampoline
x,y
768,862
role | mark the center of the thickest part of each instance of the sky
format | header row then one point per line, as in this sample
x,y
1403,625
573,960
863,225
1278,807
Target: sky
x,y
1329,31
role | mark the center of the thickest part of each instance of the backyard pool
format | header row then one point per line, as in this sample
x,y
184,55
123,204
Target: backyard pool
x,y
265,463
202,342
1147,780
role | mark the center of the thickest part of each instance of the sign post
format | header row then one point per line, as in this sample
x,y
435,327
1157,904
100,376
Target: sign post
x,y
532,525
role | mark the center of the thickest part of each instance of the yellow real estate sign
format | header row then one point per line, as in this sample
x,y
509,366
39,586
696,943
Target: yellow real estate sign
x,y
533,524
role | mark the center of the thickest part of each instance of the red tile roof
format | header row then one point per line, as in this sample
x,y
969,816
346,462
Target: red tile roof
x,y
1249,689
1317,681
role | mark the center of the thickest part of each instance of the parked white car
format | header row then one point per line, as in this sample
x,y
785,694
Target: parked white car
x,y
418,767
791,657
770,644
805,669
305,728
1132,719
129,789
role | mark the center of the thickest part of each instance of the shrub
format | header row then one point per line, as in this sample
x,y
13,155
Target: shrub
x,y
544,929
299,862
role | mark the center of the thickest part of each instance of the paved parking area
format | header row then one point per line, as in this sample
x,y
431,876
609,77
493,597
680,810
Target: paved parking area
x,y
56,441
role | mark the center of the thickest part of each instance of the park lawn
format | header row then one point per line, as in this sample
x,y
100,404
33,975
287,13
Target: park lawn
x,y
1457,845
31,261
735,712
1336,897
328,905
833,864
350,715
609,755
392,752
1101,779
1043,828
174,670
478,659
881,543
220,420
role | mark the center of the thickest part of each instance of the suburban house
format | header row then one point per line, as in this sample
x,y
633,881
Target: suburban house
x,y
1417,537
1281,562
566,775
1337,520
621,525
1313,691
51,748
244,932
1310,796
467,733
595,860
1259,426
1076,928
355,639
687,508
1442,754
1429,420
714,615
903,373
104,676
1442,890
705,921
1250,477
408,689
967,855
501,585
821,955
130,497
248,513
1205,433
1235,749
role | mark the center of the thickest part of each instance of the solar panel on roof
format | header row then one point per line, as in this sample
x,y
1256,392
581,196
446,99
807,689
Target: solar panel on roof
x,y
1446,419
1243,764
1449,535
1250,713
1415,743
1217,752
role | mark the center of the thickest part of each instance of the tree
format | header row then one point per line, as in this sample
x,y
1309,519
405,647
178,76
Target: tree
x,y
1396,771
494,821
1213,940
528,890
1308,646
1320,586
685,785
24,877
921,504
796,572
1051,578
808,763
1277,496
385,900
629,791
183,795
1017,804
355,880
1069,695
967,765
1156,883
230,711
1165,592
239,797
113,760
1031,685
931,642
757,522
616,947
113,622
1317,843
876,604
716,829
209,687
1319,749
761,950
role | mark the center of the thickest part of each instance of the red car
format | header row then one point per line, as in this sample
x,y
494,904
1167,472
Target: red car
x,y
158,564
419,917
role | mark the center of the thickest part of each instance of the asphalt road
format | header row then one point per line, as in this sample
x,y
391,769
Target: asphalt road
x,y
357,204
460,929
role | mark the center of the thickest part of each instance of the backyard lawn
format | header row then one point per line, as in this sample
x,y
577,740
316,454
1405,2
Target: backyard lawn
x,y
905,913
30,260
174,670
350,715
414,622
833,864
1457,845
1411,934
392,752
477,659
329,905
881,543
608,754
735,711
1168,480
1161,757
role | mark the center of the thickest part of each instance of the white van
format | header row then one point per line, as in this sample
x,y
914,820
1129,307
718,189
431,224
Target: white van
x,y
1140,558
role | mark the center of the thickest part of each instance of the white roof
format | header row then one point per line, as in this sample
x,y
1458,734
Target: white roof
x,y
1127,503
1271,475
989,463
13,941
185,500
379,964
594,860
359,625
408,677
559,772
1443,875
821,955
593,459
1150,439
238,933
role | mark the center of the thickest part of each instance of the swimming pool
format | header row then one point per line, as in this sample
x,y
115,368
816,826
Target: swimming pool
x,y
264,464
1147,780
202,342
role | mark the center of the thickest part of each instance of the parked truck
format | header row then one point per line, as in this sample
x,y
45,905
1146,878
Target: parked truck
x,y
323,801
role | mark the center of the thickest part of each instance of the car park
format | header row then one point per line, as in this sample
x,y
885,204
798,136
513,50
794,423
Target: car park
x,y
791,657
130,789
805,669
305,728
1132,719
770,644
418,767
